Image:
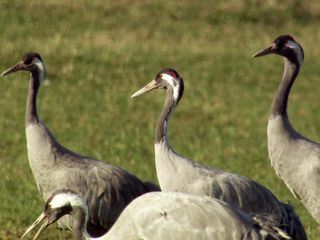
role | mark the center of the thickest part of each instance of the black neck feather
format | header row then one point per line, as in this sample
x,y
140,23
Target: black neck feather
x,y
34,84
168,108
280,100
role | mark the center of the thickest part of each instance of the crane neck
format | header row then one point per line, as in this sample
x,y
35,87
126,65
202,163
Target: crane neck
x,y
80,218
34,84
280,100
162,126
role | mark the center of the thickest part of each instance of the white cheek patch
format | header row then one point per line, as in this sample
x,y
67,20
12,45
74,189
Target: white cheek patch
x,y
292,44
64,199
40,67
59,200
172,82
295,47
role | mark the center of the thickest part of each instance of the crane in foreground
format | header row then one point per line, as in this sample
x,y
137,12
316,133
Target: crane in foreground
x,y
163,216
177,173
295,158
106,188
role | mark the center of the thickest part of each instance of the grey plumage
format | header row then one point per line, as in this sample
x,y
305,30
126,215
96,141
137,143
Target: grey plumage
x,y
106,188
164,216
295,158
177,173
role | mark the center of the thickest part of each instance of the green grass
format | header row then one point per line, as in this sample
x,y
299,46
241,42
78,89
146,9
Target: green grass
x,y
98,53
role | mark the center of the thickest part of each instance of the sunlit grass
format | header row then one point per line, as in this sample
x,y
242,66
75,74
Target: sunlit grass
x,y
98,53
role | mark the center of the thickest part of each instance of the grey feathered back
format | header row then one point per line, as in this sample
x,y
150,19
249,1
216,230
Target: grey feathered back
x,y
171,216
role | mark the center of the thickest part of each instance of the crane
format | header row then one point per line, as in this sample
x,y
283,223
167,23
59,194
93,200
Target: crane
x,y
177,173
106,188
295,158
162,216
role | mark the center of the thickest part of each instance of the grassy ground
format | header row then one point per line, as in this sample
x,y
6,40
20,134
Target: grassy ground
x,y
99,52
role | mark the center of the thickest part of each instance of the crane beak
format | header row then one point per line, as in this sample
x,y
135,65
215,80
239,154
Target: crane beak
x,y
19,66
150,86
268,50
43,217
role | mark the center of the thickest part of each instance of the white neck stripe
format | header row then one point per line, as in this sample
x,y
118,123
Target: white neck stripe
x,y
40,67
295,47
171,81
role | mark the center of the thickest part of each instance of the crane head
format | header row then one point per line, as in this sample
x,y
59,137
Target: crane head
x,y
31,62
167,78
285,46
59,204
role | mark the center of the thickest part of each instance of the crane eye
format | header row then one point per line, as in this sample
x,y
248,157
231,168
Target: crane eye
x,y
47,206
28,61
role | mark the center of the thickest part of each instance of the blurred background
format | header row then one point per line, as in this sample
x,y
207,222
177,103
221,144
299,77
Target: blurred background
x,y
97,53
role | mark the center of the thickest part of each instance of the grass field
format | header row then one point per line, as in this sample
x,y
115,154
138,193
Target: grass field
x,y
98,53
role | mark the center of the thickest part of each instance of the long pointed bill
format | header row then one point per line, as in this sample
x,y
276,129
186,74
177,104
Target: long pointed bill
x,y
35,223
268,50
150,86
17,67
42,228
